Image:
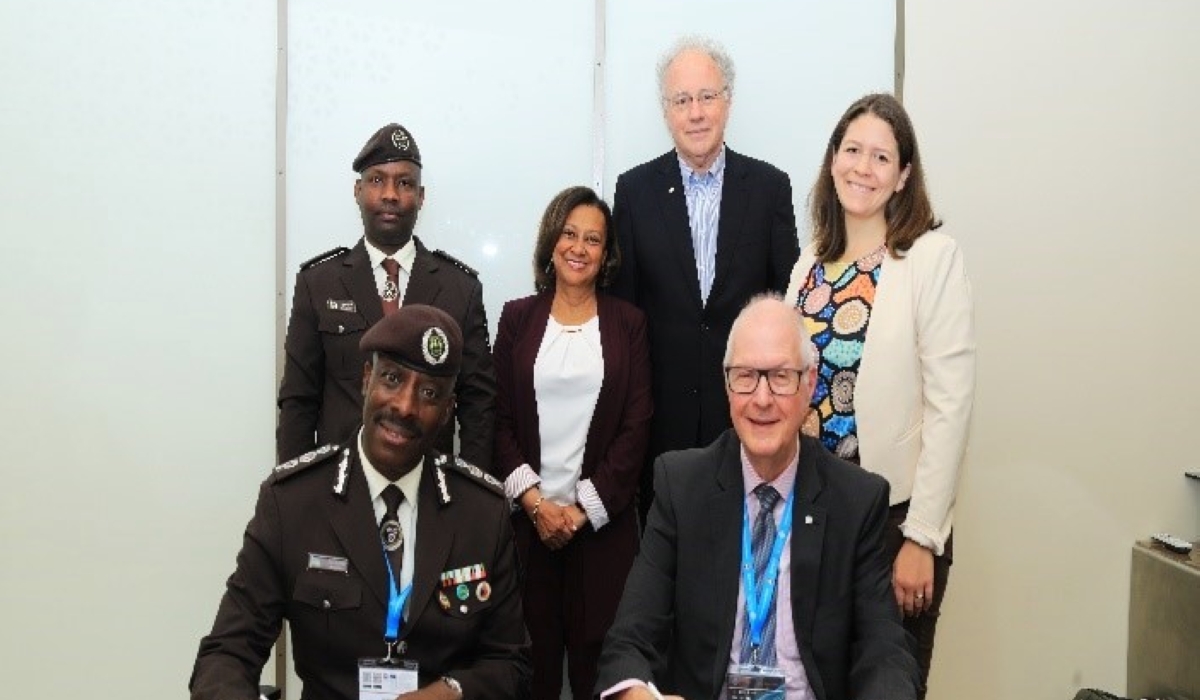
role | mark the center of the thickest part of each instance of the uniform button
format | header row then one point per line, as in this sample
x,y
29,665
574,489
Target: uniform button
x,y
326,604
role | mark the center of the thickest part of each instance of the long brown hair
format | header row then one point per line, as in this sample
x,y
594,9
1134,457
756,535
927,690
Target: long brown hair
x,y
909,213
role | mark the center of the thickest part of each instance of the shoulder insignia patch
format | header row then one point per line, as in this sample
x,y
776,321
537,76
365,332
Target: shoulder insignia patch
x,y
456,262
327,255
471,473
304,461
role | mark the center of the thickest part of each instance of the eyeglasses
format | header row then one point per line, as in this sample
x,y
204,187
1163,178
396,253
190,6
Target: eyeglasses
x,y
707,98
782,381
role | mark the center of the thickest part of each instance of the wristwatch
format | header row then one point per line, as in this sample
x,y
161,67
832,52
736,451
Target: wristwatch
x,y
454,685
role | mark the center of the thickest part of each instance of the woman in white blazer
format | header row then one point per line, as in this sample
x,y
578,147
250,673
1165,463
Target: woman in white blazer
x,y
887,301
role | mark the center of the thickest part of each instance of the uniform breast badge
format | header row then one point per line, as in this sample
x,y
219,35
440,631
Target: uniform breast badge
x,y
456,583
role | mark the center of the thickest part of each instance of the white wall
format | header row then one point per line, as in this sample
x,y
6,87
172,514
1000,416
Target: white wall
x,y
1061,147
137,233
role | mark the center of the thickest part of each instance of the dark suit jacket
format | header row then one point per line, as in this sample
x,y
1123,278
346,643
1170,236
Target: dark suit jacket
x,y
680,601
320,397
338,618
756,248
616,441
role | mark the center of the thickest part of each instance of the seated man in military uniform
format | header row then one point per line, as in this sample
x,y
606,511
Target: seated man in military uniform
x,y
393,563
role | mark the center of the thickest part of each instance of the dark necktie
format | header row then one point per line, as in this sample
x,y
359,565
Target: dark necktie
x,y
391,288
762,538
390,532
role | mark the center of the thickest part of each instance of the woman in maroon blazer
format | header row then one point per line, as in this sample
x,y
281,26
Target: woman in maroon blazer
x,y
572,421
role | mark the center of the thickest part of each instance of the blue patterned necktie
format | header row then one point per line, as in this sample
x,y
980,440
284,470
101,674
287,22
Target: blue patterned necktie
x,y
761,540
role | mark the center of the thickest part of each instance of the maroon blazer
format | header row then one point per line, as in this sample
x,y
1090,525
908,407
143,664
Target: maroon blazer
x,y
616,442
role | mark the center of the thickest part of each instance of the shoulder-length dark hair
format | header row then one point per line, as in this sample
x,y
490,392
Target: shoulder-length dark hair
x,y
909,213
551,229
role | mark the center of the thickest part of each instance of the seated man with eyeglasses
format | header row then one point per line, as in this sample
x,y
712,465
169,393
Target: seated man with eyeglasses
x,y
762,571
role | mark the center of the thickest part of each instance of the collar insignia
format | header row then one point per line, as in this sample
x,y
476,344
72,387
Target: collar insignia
x,y
343,470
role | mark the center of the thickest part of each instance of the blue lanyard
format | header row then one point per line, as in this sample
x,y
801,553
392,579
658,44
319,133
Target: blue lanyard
x,y
396,601
759,594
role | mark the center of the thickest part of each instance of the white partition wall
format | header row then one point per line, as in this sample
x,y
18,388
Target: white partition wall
x,y
137,233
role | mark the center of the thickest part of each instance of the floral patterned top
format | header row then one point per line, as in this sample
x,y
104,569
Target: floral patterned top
x,y
836,300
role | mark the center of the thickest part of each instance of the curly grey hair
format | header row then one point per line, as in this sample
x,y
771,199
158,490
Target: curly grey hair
x,y
700,44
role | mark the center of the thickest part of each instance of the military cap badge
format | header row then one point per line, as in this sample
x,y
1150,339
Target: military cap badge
x,y
435,346
400,139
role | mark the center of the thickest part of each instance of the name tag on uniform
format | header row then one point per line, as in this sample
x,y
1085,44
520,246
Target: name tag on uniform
x,y
325,562
341,305
384,680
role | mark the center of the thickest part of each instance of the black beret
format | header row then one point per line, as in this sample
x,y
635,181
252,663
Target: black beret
x,y
420,337
388,145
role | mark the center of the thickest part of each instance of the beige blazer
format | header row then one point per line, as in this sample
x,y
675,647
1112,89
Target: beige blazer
x,y
916,383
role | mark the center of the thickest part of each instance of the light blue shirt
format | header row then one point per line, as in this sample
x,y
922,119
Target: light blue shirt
x,y
703,193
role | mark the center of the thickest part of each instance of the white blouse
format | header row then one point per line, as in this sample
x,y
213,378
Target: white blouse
x,y
567,375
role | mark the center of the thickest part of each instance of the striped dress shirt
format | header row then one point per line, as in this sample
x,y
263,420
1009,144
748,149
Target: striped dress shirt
x,y
703,193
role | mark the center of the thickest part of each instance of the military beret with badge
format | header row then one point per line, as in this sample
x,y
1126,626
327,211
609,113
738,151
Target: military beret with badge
x,y
390,144
420,337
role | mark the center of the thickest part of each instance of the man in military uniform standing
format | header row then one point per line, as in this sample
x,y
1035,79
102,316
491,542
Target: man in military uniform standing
x,y
343,292
393,563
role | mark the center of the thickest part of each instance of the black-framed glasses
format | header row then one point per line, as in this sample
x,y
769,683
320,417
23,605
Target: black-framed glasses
x,y
782,381
705,98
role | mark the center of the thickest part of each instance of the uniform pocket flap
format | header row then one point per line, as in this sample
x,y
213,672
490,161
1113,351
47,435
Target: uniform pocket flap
x,y
325,591
340,322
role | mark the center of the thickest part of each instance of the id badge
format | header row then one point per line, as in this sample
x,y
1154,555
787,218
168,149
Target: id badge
x,y
380,679
756,683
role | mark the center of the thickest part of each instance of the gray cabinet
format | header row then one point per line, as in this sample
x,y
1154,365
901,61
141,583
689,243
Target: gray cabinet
x,y
1164,623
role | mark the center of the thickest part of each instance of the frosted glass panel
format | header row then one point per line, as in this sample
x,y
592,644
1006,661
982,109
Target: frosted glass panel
x,y
497,95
